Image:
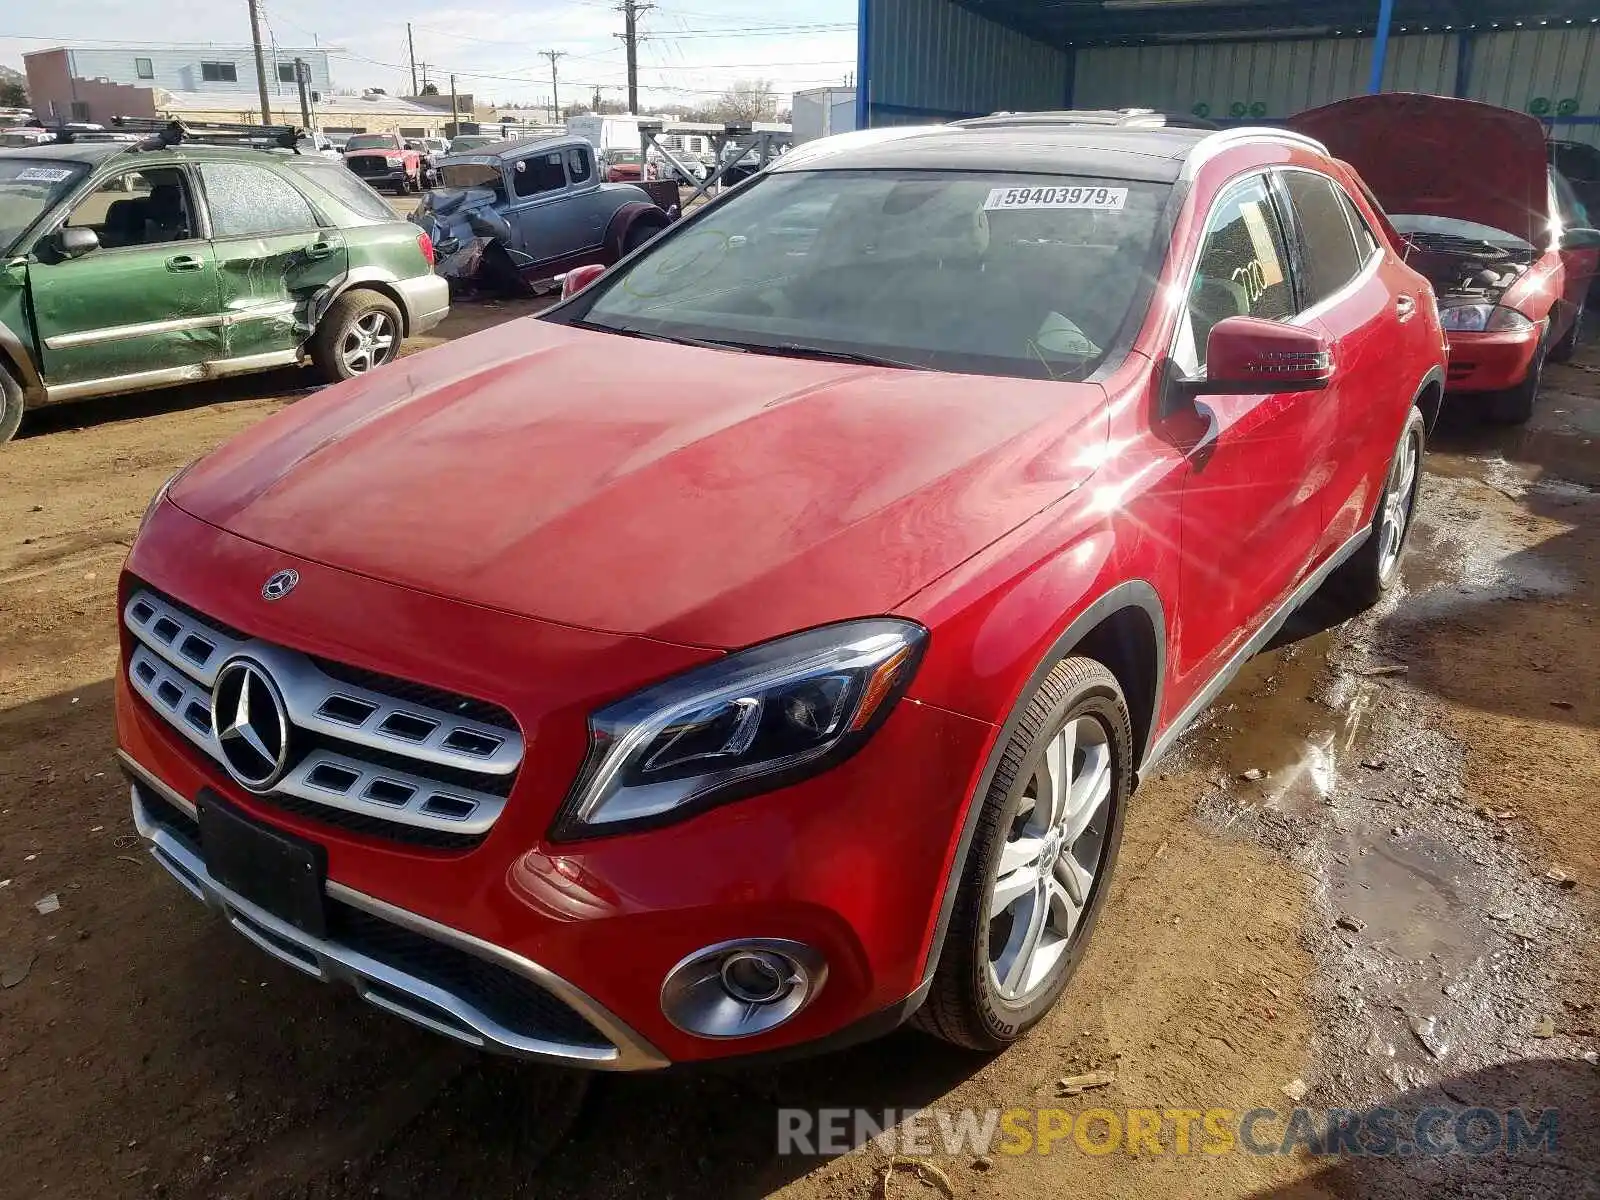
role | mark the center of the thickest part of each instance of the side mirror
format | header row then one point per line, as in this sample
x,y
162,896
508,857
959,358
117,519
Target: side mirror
x,y
1581,239
75,241
1246,356
575,280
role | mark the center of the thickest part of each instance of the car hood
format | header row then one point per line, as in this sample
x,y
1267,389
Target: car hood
x,y
698,496
384,153
1442,157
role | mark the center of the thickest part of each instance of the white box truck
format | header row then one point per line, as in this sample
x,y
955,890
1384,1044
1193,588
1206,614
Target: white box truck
x,y
823,112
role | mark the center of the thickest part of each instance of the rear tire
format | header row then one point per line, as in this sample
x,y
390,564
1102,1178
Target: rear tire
x,y
1025,882
639,234
11,405
1514,406
1375,568
360,332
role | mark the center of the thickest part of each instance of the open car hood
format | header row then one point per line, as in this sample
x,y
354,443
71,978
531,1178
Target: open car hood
x,y
1442,157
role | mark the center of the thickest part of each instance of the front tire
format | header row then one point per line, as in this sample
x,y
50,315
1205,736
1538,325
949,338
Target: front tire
x,y
1375,568
1040,863
1563,350
1515,405
12,403
360,332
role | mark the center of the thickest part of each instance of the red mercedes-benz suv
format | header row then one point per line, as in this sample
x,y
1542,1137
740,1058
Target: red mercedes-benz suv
x,y
617,725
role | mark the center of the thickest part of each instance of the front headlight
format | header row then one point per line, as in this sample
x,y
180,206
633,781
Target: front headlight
x,y
394,162
759,719
1483,318
161,494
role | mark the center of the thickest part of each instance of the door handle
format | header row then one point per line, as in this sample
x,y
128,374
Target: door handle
x,y
319,250
1405,307
184,262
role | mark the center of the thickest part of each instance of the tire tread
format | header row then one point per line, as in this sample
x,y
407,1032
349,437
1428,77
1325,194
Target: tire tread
x,y
950,1011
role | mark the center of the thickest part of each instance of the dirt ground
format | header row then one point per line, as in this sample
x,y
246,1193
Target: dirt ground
x,y
1369,874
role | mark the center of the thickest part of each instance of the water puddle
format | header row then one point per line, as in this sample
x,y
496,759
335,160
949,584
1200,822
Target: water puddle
x,y
1433,932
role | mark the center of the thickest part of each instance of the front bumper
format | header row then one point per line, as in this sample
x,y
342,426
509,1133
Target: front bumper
x,y
384,975
1491,362
384,178
427,301
851,863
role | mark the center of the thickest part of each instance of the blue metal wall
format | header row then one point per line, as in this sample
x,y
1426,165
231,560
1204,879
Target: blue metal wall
x,y
932,60
1235,80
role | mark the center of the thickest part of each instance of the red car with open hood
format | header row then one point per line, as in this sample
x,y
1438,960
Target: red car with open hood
x,y
618,726
1508,246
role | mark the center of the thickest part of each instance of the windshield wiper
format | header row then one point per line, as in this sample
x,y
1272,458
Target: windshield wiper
x,y
635,332
795,350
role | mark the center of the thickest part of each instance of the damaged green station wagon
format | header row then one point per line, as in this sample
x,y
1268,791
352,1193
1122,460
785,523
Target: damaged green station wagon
x,y
126,267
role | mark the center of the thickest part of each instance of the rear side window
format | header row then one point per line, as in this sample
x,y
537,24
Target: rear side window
x,y
539,174
1242,270
1366,240
579,168
1332,257
343,185
247,200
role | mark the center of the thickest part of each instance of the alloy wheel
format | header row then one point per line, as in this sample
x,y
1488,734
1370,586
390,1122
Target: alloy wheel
x,y
1051,859
1397,505
368,342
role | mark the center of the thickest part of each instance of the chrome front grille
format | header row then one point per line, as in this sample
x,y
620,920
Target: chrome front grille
x,y
353,748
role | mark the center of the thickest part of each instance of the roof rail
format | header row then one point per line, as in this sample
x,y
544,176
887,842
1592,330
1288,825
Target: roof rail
x,y
1207,148
1128,118
168,132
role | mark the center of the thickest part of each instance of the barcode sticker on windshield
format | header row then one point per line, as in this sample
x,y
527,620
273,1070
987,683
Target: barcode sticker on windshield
x,y
1102,198
42,175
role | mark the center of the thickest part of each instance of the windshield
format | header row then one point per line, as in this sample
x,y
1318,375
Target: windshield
x,y
622,156
371,141
999,274
471,175
28,187
469,142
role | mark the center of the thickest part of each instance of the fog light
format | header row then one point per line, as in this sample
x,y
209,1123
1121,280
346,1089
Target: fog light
x,y
736,989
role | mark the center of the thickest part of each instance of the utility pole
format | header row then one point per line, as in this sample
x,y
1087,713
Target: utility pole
x,y
455,119
261,66
555,88
302,79
411,48
631,10
596,108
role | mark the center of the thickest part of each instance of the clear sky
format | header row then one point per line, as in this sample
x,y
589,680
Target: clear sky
x,y
695,48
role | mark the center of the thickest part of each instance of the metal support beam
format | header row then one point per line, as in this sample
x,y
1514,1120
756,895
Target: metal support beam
x,y
1380,50
863,76
1466,50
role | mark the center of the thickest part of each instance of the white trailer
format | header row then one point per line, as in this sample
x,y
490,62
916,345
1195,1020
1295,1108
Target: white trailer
x,y
823,112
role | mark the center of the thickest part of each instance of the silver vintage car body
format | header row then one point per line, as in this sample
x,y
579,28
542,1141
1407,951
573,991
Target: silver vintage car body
x,y
543,203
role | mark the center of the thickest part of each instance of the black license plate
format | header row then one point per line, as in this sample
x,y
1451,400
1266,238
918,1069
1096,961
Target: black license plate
x,y
276,871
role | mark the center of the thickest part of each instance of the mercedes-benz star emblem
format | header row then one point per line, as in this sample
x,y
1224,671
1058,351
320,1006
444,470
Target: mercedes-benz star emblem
x,y
280,584
251,724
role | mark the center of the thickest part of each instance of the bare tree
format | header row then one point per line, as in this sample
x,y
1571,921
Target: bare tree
x,y
748,100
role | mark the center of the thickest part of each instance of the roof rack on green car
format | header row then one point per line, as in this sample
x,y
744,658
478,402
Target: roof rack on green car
x,y
166,133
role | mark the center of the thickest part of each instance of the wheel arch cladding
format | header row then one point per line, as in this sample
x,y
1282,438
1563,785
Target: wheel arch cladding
x,y
1126,625
1430,398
